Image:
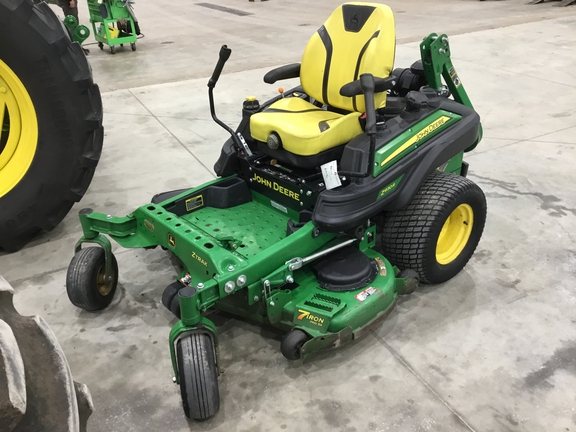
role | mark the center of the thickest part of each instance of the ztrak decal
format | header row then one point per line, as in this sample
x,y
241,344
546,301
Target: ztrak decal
x,y
309,318
392,186
199,259
275,186
171,240
194,202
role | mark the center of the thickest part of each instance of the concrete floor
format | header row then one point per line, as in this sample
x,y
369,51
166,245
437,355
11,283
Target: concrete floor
x,y
494,349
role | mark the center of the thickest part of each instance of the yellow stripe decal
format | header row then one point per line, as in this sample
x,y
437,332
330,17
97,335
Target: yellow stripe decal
x,y
418,137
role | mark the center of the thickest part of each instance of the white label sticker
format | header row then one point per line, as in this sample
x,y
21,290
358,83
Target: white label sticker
x,y
330,174
278,206
366,293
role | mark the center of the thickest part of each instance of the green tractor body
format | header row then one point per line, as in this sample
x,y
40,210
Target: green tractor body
x,y
269,242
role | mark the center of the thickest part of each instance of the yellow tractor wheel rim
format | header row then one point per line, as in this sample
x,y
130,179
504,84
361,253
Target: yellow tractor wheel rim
x,y
455,234
18,130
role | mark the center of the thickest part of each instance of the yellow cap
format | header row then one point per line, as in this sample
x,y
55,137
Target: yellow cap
x,y
250,98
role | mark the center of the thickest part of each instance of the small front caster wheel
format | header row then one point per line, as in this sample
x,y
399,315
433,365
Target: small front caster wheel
x,y
133,46
170,298
122,45
112,49
292,343
198,376
86,282
100,45
412,280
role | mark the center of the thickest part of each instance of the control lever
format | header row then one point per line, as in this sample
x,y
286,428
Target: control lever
x,y
367,85
223,58
237,137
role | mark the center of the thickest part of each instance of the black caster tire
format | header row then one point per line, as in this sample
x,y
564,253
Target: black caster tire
x,y
85,281
437,233
292,343
112,49
122,45
170,298
198,376
133,46
170,292
412,281
175,306
100,45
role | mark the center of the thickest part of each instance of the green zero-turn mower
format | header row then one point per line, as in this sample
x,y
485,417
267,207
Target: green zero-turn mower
x,y
332,199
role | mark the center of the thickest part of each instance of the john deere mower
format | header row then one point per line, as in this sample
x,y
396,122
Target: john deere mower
x,y
332,199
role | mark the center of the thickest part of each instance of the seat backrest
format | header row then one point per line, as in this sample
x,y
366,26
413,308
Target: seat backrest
x,y
357,38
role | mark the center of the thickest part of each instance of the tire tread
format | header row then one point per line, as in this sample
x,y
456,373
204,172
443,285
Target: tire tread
x,y
39,18
81,276
406,234
198,376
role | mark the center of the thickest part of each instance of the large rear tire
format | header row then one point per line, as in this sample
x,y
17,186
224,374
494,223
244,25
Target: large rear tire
x,y
439,230
51,119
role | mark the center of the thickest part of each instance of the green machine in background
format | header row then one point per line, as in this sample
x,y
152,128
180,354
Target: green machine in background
x,y
79,32
114,23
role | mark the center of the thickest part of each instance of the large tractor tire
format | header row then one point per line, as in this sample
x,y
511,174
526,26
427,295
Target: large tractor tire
x,y
51,119
37,392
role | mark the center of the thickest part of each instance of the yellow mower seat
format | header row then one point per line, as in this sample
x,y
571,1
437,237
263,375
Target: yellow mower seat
x,y
304,129
357,38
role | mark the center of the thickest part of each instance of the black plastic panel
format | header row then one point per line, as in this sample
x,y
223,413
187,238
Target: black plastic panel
x,y
346,207
225,194
346,269
355,16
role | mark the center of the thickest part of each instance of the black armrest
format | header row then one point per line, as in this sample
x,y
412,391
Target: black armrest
x,y
380,85
282,73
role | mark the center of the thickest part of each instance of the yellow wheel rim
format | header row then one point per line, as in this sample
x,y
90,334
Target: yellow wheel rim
x,y
455,234
104,287
18,130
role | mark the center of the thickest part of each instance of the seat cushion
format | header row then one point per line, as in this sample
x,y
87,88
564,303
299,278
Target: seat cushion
x,y
304,129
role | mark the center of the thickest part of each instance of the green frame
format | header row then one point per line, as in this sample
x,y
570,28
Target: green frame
x,y
435,53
